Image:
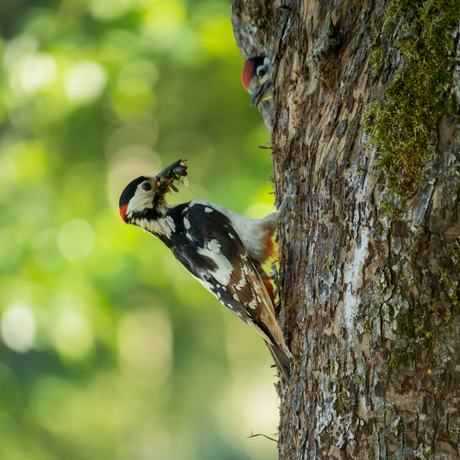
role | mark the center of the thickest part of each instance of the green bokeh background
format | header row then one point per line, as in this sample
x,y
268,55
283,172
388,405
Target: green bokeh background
x,y
109,349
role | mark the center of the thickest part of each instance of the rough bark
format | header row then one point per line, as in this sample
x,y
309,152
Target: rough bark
x,y
370,253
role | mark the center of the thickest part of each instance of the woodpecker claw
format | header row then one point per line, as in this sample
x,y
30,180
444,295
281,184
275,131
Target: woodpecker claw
x,y
184,180
287,199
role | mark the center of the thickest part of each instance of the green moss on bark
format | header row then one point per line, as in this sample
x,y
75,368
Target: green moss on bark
x,y
404,127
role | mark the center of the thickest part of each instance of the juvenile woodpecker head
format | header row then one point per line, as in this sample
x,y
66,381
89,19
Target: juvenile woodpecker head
x,y
257,78
146,194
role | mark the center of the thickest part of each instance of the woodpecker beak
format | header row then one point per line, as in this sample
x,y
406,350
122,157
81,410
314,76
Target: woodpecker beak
x,y
169,173
176,171
153,191
260,93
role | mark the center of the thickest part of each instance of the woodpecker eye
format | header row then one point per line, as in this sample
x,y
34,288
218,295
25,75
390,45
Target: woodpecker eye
x,y
146,187
262,72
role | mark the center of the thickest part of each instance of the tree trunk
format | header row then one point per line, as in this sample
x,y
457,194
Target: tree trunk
x,y
364,123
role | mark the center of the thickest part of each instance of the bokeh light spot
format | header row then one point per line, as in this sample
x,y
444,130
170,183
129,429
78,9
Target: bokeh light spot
x,y
85,82
36,71
18,328
218,36
17,48
137,79
163,21
76,239
145,342
109,9
73,335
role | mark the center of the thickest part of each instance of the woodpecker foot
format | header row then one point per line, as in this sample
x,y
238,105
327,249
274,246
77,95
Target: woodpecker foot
x,y
274,274
287,199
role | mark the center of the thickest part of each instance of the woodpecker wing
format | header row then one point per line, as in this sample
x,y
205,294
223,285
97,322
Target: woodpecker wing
x,y
205,240
213,253
248,289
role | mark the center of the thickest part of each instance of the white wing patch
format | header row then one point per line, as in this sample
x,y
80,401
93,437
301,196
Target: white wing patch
x,y
249,230
214,246
224,269
186,223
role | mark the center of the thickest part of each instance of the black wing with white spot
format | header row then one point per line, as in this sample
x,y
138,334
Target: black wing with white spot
x,y
212,252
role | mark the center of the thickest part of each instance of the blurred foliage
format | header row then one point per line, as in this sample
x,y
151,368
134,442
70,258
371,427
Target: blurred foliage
x,y
109,349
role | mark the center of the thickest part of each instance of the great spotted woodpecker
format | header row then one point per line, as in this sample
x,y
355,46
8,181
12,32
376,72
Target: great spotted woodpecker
x,y
221,249
257,78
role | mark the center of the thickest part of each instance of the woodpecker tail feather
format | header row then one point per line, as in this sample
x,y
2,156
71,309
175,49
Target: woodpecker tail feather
x,y
282,357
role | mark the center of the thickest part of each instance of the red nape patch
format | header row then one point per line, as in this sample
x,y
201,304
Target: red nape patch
x,y
123,210
269,287
248,73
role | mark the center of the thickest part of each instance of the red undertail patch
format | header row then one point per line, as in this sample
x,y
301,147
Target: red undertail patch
x,y
269,287
269,247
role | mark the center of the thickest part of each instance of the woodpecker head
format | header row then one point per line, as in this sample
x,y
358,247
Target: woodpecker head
x,y
148,193
257,78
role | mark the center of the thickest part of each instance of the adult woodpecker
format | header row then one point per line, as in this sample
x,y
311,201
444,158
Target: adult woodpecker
x,y
257,78
221,249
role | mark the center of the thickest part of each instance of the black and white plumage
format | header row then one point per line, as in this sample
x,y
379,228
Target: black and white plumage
x,y
221,249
